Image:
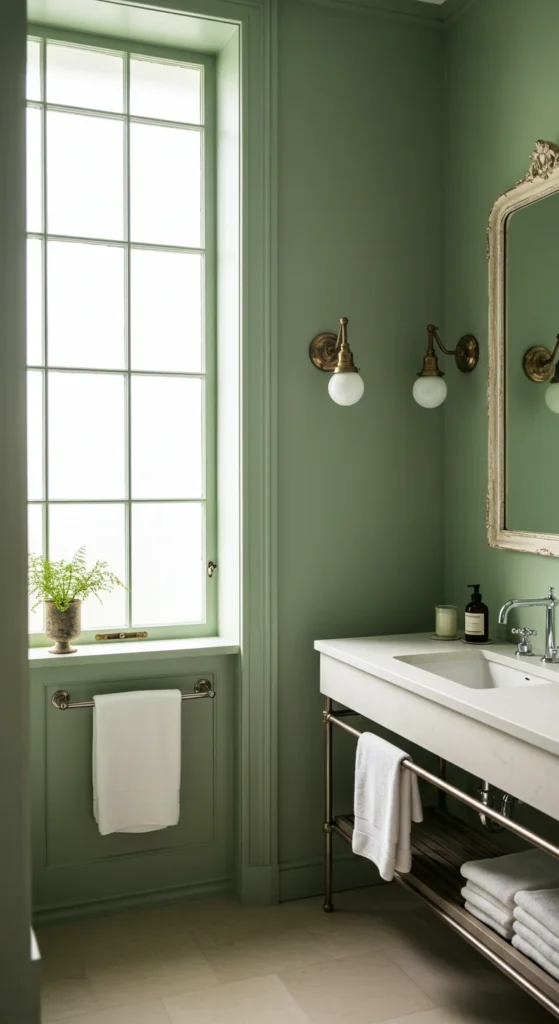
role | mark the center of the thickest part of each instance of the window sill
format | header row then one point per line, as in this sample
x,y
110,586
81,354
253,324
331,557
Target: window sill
x,y
148,650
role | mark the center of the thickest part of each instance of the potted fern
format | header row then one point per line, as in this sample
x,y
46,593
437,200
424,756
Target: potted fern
x,y
63,586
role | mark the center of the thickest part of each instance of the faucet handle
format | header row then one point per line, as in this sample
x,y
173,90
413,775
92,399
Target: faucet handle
x,y
524,649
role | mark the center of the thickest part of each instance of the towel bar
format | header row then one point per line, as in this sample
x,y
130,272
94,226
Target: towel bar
x,y
61,699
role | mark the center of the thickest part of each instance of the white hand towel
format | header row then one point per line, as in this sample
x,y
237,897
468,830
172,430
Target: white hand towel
x,y
502,917
473,888
504,877
386,801
507,933
537,942
534,954
523,917
136,760
543,905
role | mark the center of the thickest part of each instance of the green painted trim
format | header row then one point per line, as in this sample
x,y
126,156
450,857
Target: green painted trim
x,y
301,879
136,901
258,719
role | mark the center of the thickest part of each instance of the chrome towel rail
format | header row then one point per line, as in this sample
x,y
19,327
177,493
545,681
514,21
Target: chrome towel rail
x,y
458,794
62,702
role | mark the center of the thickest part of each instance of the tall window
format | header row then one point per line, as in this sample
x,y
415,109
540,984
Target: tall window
x,y
120,328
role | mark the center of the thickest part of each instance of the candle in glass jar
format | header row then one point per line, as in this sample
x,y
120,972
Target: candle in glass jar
x,y
445,620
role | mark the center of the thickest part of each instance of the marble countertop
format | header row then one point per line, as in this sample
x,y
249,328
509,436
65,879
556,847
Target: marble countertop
x,y
530,713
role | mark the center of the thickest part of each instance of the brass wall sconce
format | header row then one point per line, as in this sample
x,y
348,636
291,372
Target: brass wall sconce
x,y
331,352
430,389
539,367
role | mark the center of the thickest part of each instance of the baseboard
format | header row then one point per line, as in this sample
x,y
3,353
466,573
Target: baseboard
x,y
306,878
134,901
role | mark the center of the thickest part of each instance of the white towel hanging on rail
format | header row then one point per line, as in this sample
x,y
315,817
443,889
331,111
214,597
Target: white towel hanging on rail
x,y
136,760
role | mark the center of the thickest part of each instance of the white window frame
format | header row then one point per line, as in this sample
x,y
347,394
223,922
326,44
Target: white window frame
x,y
208,132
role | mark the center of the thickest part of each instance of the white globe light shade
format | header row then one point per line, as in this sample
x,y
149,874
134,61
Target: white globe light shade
x,y
552,397
430,391
345,388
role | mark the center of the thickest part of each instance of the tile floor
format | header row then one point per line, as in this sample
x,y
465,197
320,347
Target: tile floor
x,y
380,957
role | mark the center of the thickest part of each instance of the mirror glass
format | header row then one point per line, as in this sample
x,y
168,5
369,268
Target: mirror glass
x,y
532,318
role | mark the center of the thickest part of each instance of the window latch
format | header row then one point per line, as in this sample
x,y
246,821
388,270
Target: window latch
x,y
211,569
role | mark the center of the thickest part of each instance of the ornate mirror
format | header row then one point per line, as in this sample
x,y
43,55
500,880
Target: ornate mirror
x,y
523,251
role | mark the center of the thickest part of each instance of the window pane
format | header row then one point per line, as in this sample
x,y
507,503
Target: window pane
x,y
86,305
85,161
34,171
101,528
35,547
86,436
33,70
167,564
79,77
35,459
166,91
34,301
166,311
165,185
166,437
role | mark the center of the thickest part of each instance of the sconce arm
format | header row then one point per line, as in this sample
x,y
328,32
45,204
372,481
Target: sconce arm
x,y
433,333
555,351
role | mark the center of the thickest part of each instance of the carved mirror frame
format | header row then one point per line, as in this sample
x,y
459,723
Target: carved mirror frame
x,y
542,179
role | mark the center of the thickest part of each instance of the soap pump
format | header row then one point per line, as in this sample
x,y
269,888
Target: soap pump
x,y
476,626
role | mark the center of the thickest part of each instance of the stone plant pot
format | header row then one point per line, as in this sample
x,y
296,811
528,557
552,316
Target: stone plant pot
x,y
63,626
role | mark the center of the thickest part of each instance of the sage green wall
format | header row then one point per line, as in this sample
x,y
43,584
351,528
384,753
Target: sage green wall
x,y
360,234
501,95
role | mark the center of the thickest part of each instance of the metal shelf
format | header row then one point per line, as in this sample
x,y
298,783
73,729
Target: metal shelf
x,y
440,845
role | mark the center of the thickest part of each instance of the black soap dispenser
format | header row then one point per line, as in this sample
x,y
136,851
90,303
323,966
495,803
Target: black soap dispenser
x,y
476,626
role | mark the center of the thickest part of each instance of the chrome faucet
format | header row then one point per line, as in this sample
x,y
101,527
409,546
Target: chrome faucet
x,y
551,655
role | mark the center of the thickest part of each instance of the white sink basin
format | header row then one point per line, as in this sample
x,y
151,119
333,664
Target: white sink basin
x,y
475,669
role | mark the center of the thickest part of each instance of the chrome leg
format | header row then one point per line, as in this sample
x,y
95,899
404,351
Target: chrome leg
x,y
328,905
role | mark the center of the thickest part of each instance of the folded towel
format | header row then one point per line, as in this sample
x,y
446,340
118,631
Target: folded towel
x,y
136,760
537,942
534,954
507,933
523,917
504,877
543,905
502,917
473,888
386,801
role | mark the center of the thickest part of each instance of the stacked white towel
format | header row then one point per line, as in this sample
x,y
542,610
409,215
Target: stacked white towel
x,y
536,928
493,884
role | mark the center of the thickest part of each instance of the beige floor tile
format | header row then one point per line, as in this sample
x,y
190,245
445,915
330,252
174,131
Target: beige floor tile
x,y
357,990
446,968
480,1008
152,1012
64,997
144,976
258,1001
249,952
350,932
